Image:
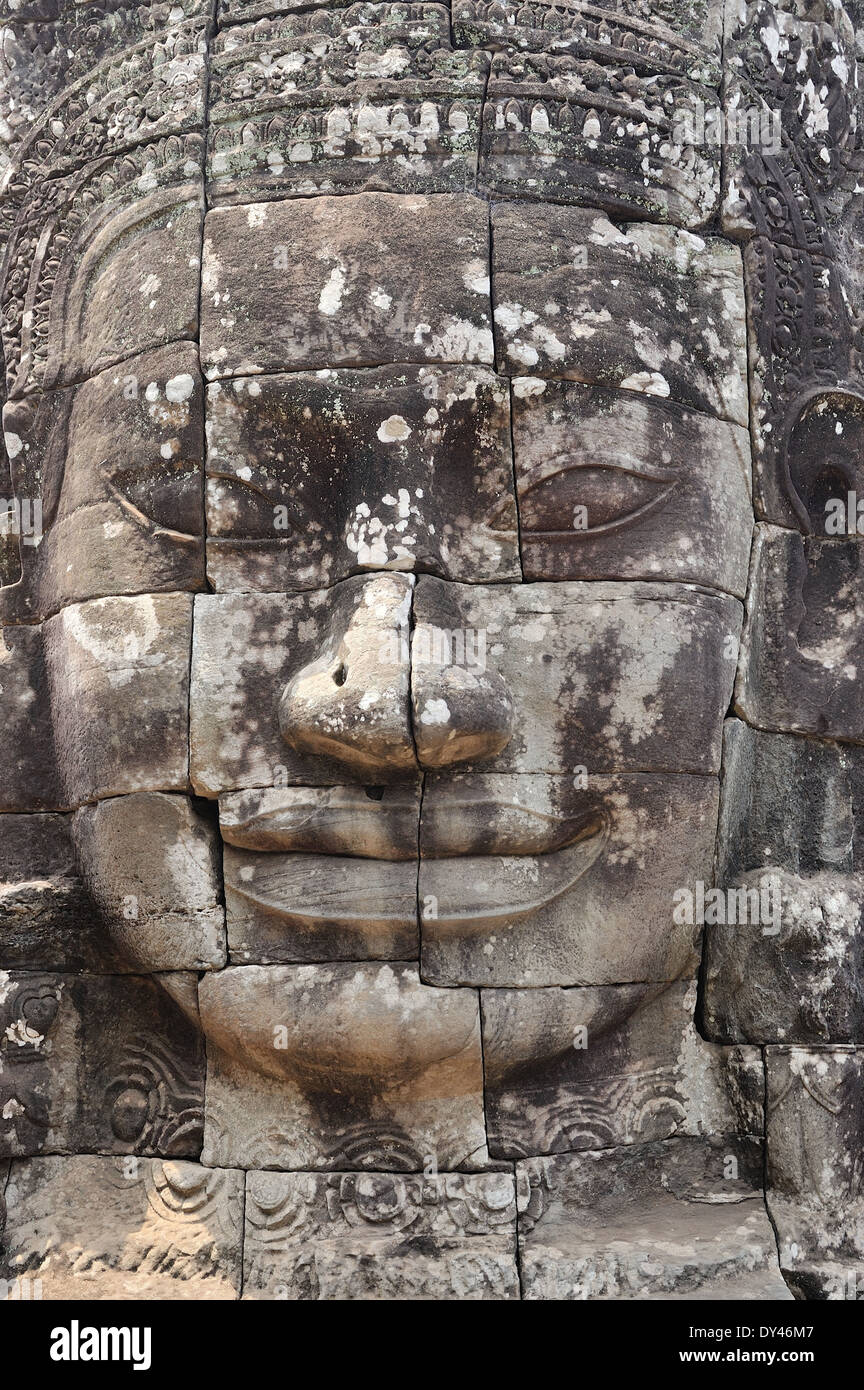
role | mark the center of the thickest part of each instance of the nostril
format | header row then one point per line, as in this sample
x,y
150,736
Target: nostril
x,y
351,700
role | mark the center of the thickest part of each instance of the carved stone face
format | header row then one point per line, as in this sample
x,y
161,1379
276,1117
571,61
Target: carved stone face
x,y
397,509
442,759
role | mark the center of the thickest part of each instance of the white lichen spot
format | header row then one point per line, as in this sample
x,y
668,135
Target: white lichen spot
x,y
649,383
330,298
524,387
475,277
179,388
435,712
393,430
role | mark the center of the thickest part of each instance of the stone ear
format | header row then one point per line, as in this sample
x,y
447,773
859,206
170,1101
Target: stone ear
x,y
823,457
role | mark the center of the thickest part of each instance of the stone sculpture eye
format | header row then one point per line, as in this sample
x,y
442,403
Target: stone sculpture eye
x,y
167,497
588,496
254,507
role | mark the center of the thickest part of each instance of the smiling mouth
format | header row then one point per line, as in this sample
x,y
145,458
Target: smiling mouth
x,y
489,857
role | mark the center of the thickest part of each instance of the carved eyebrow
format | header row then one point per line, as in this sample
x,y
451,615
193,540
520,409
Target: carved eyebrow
x,y
622,462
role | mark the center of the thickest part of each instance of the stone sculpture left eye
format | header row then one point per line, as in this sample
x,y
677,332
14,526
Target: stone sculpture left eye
x,y
585,494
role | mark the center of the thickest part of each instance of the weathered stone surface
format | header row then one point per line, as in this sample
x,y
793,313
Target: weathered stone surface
x,y
116,465
461,711
609,483
45,51
512,814
244,648
47,921
787,173
119,679
648,309
380,1236
103,263
237,11
28,841
801,650
344,99
373,97
549,884
615,1064
152,865
641,35
573,131
683,1219
797,975
806,387
312,477
571,661
154,1228
29,1008
300,688
815,1132
493,672
95,702
341,1066
82,85
351,702
319,907
760,825
823,462
791,178
422,297
30,780
97,1062
378,823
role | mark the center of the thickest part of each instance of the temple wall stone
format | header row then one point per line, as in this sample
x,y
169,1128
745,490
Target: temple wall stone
x,y
430,649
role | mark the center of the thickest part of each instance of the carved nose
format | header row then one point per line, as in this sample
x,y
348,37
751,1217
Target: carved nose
x,y
462,713
360,704
352,702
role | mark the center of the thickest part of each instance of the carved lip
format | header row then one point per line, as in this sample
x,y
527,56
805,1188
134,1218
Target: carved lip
x,y
485,857
382,823
475,894
378,823
460,896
